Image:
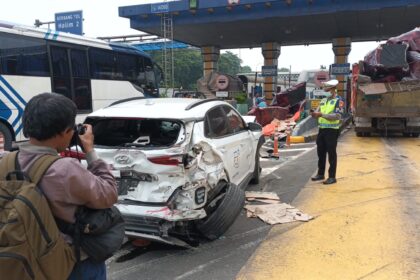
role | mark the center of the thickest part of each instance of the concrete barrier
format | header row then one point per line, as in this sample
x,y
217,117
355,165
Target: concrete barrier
x,y
308,129
305,126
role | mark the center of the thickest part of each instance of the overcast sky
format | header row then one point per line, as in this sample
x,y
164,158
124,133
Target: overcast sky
x,y
101,19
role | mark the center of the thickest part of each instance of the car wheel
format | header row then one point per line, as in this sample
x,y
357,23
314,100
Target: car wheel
x,y
222,211
7,137
415,134
359,134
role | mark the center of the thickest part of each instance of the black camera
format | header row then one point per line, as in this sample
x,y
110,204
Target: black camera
x,y
79,129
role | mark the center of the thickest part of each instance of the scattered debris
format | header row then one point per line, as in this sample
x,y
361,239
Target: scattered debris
x,y
268,201
273,211
279,213
281,125
264,195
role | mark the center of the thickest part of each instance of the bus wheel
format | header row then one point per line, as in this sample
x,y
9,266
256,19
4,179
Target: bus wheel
x,y
6,136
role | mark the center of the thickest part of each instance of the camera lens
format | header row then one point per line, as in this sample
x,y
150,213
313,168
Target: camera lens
x,y
80,129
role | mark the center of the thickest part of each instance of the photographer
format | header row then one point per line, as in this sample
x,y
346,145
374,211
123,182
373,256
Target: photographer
x,y
49,123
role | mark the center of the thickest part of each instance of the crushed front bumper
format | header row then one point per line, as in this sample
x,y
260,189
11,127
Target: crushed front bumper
x,y
158,222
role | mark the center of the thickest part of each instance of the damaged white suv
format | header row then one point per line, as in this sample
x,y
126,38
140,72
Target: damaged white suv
x,y
181,164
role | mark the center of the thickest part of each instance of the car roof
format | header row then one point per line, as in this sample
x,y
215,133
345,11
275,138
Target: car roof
x,y
160,108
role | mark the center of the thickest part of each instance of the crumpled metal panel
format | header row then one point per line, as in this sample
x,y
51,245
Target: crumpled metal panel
x,y
160,212
207,164
176,185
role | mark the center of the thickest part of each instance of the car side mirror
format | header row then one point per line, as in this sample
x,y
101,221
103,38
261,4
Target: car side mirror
x,y
254,126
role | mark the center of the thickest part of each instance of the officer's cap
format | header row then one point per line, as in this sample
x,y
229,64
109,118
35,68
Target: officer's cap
x,y
330,84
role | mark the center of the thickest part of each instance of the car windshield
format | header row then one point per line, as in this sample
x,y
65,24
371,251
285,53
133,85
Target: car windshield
x,y
128,132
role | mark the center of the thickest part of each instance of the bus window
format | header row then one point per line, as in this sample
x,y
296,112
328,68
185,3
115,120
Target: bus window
x,y
81,81
21,55
141,76
127,67
150,74
79,64
158,73
102,64
75,84
60,71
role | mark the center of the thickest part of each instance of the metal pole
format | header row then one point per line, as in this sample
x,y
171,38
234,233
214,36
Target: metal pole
x,y
38,23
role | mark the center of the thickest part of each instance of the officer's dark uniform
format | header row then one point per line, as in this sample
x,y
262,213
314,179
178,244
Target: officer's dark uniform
x,y
329,130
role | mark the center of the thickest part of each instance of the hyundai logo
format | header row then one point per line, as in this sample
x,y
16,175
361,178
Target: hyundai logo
x,y
123,159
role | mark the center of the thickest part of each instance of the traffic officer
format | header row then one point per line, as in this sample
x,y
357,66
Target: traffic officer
x,y
329,115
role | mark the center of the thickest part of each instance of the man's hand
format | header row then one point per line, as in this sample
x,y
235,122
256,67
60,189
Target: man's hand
x,y
86,139
316,114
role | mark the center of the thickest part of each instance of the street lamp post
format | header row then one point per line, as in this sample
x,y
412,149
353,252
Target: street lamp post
x,y
38,23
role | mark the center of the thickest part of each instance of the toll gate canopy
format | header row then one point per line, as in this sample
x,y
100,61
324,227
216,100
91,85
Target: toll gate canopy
x,y
249,23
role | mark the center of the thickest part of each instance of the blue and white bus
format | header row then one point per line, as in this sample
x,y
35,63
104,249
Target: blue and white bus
x,y
91,72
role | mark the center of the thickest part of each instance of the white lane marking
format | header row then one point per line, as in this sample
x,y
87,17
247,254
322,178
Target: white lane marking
x,y
202,267
271,170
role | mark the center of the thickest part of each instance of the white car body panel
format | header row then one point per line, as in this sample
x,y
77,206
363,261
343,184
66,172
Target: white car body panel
x,y
178,192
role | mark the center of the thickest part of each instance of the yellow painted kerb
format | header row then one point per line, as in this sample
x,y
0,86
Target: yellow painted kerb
x,y
297,139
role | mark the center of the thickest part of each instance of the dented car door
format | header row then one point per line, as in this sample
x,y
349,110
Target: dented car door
x,y
232,141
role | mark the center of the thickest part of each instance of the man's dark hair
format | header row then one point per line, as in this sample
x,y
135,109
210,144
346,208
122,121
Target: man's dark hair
x,y
47,115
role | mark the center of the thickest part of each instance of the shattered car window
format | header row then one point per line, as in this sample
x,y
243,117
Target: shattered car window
x,y
124,132
235,121
216,123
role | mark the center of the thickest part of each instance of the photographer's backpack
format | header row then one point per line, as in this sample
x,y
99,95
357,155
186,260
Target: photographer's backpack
x,y
31,246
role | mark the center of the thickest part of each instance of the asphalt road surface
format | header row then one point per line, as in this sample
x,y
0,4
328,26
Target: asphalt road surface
x,y
222,258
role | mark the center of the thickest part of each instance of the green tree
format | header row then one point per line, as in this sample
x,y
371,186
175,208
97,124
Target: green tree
x,y
246,69
284,69
188,66
229,63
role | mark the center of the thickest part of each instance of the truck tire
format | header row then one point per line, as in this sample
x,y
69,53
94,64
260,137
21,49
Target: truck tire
x,y
415,134
7,137
359,134
406,134
222,216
